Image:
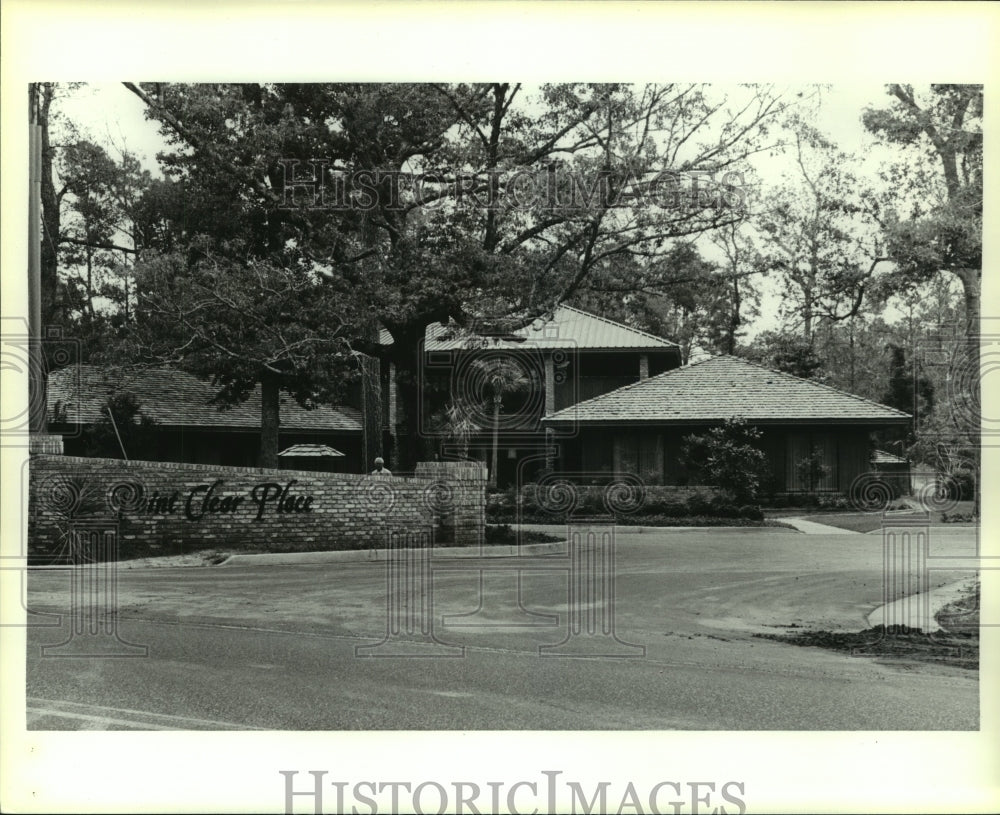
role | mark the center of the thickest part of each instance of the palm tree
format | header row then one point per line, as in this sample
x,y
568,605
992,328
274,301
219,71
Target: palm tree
x,y
459,424
501,376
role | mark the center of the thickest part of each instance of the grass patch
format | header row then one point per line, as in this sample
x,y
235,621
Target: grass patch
x,y
855,521
870,521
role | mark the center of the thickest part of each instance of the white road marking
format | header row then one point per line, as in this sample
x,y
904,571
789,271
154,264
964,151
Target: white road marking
x,y
144,719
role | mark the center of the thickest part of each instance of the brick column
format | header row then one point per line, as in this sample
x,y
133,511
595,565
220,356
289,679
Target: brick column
x,y
45,445
462,496
643,366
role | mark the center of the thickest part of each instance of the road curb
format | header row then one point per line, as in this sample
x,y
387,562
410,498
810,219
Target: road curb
x,y
921,608
380,555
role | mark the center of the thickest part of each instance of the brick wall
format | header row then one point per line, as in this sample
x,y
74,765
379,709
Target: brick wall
x,y
161,507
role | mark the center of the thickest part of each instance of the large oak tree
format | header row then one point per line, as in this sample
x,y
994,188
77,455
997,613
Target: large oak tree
x,y
479,204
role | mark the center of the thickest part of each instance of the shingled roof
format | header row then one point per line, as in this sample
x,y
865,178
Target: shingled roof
x,y
883,457
177,399
567,328
718,388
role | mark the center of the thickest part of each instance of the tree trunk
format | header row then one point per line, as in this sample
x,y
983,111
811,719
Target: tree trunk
x,y
851,329
270,402
970,279
734,318
496,439
971,360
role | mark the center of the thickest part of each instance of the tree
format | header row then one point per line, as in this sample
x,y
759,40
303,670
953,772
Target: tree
x,y
741,297
456,202
785,352
943,229
501,377
123,430
813,236
942,232
245,325
100,238
907,392
456,423
681,297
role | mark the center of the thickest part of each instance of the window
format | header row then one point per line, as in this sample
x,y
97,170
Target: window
x,y
811,462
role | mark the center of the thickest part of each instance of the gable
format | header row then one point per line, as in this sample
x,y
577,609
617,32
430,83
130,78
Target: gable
x,y
719,388
567,327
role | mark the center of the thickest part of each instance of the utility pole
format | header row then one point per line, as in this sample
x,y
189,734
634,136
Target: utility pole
x,y
37,418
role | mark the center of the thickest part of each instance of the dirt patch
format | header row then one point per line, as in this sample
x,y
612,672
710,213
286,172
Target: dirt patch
x,y
957,644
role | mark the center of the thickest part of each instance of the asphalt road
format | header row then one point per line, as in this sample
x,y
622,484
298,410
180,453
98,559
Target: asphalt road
x,y
277,647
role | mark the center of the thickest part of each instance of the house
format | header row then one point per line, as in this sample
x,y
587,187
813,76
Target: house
x,y
569,356
639,428
593,395
188,427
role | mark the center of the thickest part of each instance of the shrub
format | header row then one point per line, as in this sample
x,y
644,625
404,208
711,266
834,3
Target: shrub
x,y
591,502
722,507
697,504
672,509
833,502
728,457
751,513
812,469
961,486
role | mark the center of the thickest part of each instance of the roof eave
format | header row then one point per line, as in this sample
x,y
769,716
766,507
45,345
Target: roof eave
x,y
886,421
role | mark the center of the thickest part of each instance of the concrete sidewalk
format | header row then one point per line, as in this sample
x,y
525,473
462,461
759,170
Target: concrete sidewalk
x,y
813,528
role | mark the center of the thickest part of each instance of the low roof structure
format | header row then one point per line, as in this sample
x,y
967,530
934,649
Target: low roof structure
x,y
310,451
885,458
566,328
719,388
174,398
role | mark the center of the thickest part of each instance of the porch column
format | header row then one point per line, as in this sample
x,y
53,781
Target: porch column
x,y
550,385
393,413
643,366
